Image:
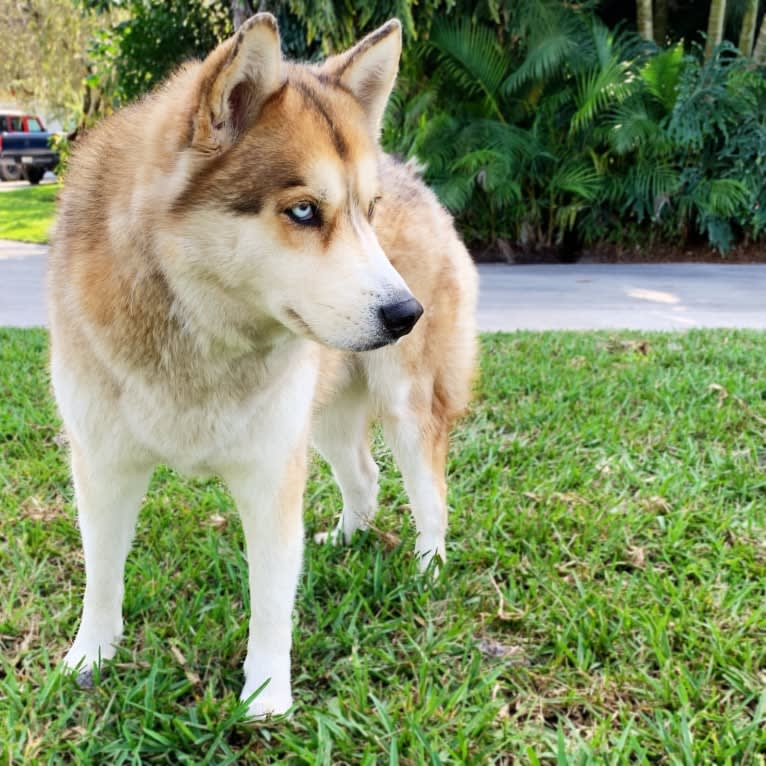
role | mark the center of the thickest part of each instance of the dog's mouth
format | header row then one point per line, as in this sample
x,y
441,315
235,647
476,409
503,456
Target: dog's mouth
x,y
301,327
374,344
301,323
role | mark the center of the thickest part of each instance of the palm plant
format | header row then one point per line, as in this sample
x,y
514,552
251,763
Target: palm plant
x,y
747,32
759,51
644,19
554,124
642,175
511,158
692,141
715,26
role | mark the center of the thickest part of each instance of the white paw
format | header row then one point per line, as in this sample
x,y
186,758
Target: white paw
x,y
333,537
84,653
429,549
267,703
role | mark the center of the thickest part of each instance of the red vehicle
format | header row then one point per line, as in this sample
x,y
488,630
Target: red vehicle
x,y
24,147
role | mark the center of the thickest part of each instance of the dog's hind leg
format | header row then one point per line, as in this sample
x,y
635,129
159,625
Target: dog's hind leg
x,y
419,444
341,435
108,501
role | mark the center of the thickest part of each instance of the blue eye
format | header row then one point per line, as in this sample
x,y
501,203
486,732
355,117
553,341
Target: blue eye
x,y
304,212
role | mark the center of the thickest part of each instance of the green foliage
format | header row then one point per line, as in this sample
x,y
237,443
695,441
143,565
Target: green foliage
x,y
709,141
61,144
336,24
551,123
661,75
151,39
509,159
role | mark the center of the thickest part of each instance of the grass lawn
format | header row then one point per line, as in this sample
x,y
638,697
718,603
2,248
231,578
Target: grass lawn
x,y
604,601
27,214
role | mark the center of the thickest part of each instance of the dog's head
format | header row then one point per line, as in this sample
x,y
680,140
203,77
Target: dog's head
x,y
286,177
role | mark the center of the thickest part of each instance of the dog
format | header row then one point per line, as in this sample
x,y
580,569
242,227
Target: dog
x,y
238,270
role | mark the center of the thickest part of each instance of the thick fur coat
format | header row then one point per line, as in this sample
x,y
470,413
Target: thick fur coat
x,y
237,270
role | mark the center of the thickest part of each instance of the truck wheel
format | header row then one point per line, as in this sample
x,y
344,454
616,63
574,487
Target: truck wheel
x,y
10,170
34,175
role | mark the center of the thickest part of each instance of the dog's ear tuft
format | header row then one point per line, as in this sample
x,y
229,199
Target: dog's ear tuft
x,y
369,69
235,81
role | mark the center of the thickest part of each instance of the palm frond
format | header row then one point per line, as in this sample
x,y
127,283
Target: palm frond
x,y
510,139
545,59
577,177
724,197
472,56
630,126
649,188
455,190
662,74
609,81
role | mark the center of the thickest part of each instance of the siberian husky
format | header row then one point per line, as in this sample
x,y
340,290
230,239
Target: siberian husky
x,y
239,270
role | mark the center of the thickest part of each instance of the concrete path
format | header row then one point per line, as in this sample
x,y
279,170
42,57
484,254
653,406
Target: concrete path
x,y
672,296
22,284
48,178
576,297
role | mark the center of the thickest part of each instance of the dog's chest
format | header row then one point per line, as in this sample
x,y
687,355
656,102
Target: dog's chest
x,y
196,429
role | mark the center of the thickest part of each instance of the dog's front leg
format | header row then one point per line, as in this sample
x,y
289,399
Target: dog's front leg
x,y
270,499
108,500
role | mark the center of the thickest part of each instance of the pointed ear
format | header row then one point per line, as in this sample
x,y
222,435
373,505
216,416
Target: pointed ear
x,y
369,69
235,81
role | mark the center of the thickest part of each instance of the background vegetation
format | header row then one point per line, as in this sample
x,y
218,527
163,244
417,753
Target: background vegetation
x,y
561,131
543,124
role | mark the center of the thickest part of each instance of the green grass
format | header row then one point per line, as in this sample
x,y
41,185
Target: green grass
x,y
604,601
27,214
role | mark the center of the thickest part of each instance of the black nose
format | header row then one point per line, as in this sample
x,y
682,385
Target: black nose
x,y
400,317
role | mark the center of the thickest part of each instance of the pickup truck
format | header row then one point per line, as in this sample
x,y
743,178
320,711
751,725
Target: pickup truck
x,y
24,148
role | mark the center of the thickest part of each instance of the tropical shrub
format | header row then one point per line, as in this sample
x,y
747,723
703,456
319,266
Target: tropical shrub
x,y
148,39
555,129
506,132
689,145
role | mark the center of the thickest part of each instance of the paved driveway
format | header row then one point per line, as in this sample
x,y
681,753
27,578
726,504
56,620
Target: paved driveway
x,y
622,296
48,178
22,279
576,297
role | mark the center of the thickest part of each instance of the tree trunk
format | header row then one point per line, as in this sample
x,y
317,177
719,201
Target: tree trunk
x,y
644,19
715,26
759,52
661,21
747,34
241,11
